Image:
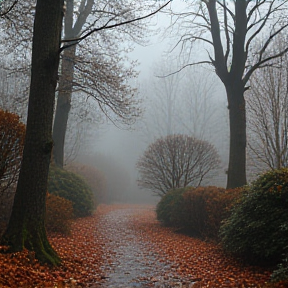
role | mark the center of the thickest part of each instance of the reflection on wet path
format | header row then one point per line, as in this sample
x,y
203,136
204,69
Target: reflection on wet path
x,y
131,261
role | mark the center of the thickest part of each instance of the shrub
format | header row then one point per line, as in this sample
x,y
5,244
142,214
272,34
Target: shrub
x,y
257,228
12,135
71,187
197,211
170,208
206,208
59,213
94,178
176,161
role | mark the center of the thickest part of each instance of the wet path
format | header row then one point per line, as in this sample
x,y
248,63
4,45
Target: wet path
x,y
132,261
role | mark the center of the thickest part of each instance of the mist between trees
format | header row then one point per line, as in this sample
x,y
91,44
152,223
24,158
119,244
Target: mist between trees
x,y
236,43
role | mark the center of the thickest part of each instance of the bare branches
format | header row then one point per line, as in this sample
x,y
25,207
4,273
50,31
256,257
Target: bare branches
x,y
6,7
176,161
268,115
185,66
107,25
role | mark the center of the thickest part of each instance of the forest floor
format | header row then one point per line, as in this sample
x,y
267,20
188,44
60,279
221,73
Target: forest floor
x,y
125,246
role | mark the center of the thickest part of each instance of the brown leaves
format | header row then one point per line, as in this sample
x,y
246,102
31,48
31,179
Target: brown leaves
x,y
171,256
81,255
199,261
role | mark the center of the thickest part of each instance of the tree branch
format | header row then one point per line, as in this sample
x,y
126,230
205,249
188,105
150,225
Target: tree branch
x,y
106,26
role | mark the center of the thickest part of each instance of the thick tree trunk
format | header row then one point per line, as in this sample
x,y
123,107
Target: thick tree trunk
x,y
63,105
237,154
26,226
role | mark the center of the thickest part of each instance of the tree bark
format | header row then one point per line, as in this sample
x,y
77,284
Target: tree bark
x,y
26,228
63,105
237,120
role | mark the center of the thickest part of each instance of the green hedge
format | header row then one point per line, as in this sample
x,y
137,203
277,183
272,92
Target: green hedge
x,y
72,187
197,211
258,226
170,209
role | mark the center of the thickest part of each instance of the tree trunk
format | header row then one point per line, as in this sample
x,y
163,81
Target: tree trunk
x,y
237,154
63,105
26,228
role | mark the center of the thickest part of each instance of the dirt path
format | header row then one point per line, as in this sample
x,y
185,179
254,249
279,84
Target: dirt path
x,y
134,263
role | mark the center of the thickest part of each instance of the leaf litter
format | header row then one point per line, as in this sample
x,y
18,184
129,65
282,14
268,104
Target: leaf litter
x,y
125,246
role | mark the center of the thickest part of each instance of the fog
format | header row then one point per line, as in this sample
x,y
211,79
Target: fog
x,y
123,146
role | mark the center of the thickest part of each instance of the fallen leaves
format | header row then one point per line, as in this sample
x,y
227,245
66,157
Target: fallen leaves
x,y
99,243
81,255
201,262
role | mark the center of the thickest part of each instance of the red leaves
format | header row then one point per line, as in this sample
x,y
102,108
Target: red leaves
x,y
87,252
81,255
201,262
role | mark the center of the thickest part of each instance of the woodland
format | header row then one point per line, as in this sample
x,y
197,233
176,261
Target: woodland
x,y
66,69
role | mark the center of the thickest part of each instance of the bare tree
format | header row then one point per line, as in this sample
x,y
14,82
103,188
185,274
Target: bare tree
x,y
267,115
229,30
176,161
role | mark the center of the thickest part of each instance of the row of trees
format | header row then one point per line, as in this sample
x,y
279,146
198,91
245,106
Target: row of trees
x,y
234,35
26,225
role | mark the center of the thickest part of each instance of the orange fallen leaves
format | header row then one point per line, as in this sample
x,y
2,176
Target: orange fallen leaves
x,y
81,254
86,251
204,263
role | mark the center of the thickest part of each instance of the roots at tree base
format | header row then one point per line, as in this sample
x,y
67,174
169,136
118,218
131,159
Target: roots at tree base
x,y
33,239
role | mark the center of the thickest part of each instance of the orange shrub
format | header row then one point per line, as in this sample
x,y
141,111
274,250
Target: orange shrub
x,y
12,135
206,208
94,178
59,213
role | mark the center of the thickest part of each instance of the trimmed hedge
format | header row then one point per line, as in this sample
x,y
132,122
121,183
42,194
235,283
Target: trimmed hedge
x,y
71,187
258,226
170,208
197,211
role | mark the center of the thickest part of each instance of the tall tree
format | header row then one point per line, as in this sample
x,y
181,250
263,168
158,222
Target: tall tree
x,y
229,31
26,226
101,72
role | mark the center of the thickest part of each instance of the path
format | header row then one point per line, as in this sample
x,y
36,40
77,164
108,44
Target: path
x,y
134,263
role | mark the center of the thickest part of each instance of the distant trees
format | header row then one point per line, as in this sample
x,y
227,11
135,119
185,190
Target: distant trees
x,y
176,161
185,103
267,116
228,30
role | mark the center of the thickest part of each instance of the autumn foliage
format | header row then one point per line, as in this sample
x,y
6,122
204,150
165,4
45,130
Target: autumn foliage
x,y
59,214
197,211
12,134
96,245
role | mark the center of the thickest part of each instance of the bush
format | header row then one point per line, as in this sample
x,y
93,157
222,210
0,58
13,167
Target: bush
x,y
12,135
197,211
59,213
94,178
71,187
257,228
281,273
176,161
170,208
206,208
